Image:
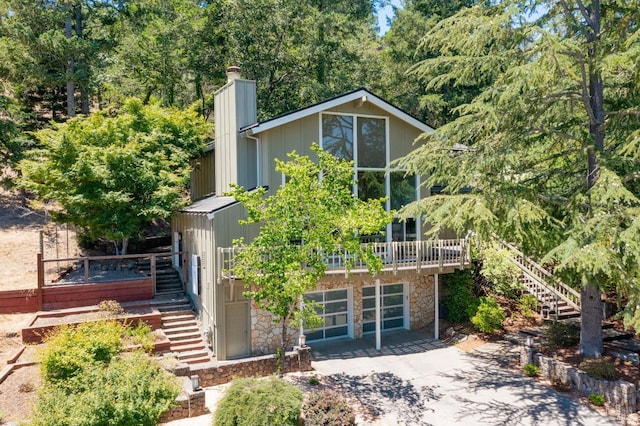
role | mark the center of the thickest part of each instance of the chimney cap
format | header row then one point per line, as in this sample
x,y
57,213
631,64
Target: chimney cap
x,y
233,72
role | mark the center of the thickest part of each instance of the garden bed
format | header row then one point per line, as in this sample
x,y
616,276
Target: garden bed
x,y
43,322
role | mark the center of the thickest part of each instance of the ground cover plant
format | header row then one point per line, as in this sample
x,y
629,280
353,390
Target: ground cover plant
x,y
259,402
327,407
489,316
88,380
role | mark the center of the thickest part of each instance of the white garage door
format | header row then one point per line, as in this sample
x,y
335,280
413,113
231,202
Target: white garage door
x,y
392,303
336,314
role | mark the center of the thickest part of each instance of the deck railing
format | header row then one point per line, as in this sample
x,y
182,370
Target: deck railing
x,y
543,279
434,255
96,269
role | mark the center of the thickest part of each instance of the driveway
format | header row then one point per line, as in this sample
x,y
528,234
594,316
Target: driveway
x,y
415,380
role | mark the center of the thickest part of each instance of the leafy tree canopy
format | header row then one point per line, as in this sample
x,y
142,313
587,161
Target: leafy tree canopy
x,y
112,172
553,139
314,215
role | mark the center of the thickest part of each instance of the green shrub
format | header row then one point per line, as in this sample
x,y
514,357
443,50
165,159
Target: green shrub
x,y
500,271
142,335
259,402
132,390
313,381
596,399
601,368
562,334
489,316
328,408
528,305
460,301
70,350
531,370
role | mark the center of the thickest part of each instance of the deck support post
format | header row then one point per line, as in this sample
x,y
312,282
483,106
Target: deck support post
x,y
378,318
436,309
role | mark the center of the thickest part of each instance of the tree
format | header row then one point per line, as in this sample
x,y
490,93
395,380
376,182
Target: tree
x,y
313,216
553,140
110,175
402,49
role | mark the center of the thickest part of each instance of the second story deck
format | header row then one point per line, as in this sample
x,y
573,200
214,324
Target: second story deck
x,y
429,256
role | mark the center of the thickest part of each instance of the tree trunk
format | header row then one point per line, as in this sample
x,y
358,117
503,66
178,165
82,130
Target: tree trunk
x,y
71,87
590,297
84,95
591,321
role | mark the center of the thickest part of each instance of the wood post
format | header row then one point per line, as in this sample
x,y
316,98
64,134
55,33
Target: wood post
x,y
40,279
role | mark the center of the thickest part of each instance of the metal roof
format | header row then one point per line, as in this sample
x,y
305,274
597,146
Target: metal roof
x,y
210,204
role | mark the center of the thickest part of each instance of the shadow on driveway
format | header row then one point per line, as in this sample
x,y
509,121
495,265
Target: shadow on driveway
x,y
415,380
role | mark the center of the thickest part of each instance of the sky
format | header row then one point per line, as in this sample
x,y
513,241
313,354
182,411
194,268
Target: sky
x,y
385,13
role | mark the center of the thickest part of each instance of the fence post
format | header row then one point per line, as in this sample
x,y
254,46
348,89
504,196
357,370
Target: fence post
x,y
40,279
440,257
152,262
86,270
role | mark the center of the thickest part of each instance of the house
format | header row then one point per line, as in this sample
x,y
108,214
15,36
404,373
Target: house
x,y
357,126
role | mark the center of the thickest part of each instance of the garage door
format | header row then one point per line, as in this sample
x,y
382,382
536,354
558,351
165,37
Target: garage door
x,y
336,314
392,304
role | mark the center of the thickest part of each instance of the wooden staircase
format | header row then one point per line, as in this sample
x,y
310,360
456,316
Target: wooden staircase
x,y
181,328
558,301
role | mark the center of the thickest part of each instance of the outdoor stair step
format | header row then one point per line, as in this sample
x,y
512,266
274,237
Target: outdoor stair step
x,y
191,341
169,300
171,317
182,329
201,360
178,324
174,307
178,337
184,347
192,354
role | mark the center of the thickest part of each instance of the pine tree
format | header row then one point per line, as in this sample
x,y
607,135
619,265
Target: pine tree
x,y
553,140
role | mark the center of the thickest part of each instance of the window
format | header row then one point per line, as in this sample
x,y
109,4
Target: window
x,y
335,314
364,140
392,304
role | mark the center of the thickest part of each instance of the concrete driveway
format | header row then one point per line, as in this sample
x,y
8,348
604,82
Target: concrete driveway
x,y
415,380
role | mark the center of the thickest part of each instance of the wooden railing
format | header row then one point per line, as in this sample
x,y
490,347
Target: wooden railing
x,y
542,278
396,256
94,269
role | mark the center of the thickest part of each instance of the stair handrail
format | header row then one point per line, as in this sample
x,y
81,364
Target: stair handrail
x,y
568,294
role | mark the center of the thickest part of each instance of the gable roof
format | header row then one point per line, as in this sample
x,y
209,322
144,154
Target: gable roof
x,y
357,94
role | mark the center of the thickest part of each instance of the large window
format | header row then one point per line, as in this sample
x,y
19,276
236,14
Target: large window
x,y
364,140
392,304
335,314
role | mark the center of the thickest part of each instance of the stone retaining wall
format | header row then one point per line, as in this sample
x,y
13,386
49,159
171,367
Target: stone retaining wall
x,y
191,403
621,395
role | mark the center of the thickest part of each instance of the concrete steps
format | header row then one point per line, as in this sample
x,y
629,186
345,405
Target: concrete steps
x,y
180,326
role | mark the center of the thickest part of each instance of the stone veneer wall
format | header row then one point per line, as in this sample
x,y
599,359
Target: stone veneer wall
x,y
265,334
621,395
191,403
217,373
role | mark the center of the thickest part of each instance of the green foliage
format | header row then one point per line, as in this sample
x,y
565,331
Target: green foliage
x,y
131,390
303,223
327,407
256,402
489,316
498,268
111,175
72,350
596,399
562,334
142,335
532,370
313,381
461,302
601,368
89,382
528,305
